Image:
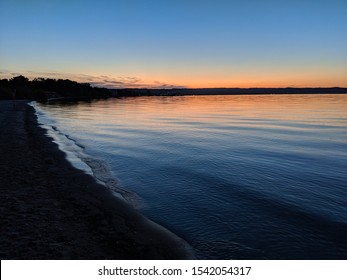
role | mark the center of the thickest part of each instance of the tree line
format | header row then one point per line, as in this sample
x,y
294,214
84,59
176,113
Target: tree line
x,y
21,87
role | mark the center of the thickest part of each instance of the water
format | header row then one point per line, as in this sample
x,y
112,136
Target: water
x,y
239,177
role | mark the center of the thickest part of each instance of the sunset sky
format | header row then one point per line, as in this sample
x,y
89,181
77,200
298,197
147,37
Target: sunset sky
x,y
178,43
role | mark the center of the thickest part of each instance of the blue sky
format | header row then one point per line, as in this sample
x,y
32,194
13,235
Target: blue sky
x,y
177,43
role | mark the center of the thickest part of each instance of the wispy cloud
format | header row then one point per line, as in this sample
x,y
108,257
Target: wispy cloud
x,y
99,81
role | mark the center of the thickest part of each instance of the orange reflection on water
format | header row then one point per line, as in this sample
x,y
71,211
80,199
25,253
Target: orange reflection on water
x,y
293,107
208,113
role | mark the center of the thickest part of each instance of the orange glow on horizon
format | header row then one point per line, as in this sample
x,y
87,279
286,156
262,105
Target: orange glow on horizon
x,y
145,80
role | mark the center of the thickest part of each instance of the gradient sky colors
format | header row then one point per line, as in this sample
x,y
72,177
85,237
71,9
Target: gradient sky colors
x,y
191,43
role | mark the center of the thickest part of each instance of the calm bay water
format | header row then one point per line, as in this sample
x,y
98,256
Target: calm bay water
x,y
242,177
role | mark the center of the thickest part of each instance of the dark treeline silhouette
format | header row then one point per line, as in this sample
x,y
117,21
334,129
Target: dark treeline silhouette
x,y
20,87
227,91
45,88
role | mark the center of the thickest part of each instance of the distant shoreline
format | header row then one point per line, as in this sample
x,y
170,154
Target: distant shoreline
x,y
224,91
47,89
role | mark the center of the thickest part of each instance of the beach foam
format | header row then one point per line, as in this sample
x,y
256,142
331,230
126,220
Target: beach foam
x,y
76,155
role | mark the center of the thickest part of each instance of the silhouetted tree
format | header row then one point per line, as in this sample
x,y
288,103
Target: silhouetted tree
x,y
19,81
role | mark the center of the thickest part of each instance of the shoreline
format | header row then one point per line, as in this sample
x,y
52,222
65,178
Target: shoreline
x,y
51,210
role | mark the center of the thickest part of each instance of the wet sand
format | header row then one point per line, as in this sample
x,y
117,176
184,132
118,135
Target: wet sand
x,y
50,210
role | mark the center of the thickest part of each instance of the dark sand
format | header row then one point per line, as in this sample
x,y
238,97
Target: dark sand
x,y
50,210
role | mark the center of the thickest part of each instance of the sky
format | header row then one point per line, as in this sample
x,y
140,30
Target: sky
x,y
177,43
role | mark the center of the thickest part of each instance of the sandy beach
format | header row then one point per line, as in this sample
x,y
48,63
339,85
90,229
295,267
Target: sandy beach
x,y
50,210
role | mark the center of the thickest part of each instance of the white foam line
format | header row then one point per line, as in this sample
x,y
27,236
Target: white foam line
x,y
75,154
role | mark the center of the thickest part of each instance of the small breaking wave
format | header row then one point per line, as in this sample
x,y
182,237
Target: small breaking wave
x,y
76,155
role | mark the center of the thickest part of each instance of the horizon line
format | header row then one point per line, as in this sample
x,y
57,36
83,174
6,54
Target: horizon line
x,y
134,83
